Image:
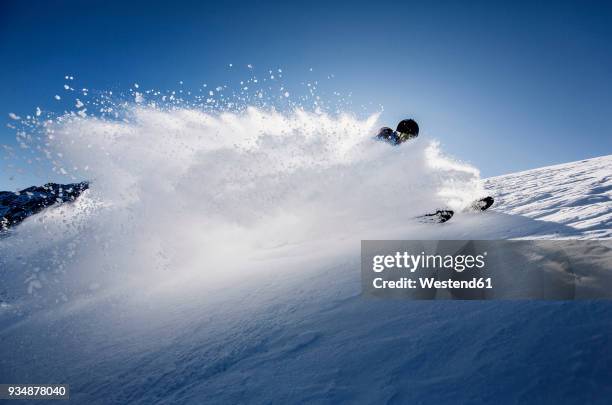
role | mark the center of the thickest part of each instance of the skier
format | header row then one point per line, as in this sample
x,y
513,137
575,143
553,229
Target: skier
x,y
409,129
406,130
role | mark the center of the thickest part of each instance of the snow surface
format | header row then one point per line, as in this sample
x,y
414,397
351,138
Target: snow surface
x,y
167,283
577,194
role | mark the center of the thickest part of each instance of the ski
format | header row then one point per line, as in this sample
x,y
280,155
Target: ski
x,y
483,204
437,217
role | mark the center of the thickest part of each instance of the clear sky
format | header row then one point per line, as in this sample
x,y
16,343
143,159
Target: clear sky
x,y
504,85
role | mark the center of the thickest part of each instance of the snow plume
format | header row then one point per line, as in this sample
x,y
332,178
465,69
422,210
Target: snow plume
x,y
180,193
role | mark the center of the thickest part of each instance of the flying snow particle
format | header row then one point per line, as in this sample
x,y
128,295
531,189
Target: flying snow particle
x,y
66,87
57,97
14,116
136,85
138,98
79,103
38,111
250,66
231,65
286,94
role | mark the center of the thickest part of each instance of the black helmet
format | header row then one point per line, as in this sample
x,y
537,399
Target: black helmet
x,y
407,129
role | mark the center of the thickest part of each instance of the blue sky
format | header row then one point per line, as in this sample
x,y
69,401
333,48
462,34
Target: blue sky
x,y
506,86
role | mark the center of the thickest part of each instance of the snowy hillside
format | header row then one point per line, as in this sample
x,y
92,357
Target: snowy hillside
x,y
577,194
296,330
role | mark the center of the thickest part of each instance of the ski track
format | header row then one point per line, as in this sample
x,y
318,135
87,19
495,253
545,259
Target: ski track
x,y
310,338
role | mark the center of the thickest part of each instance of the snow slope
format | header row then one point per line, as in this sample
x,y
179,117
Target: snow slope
x,y
577,194
299,331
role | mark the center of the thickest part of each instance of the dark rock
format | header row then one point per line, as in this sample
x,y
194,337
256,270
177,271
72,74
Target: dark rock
x,y
17,206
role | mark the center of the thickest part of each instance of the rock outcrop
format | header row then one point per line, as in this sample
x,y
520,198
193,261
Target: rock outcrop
x,y
17,206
